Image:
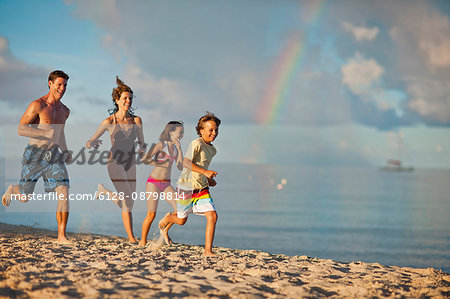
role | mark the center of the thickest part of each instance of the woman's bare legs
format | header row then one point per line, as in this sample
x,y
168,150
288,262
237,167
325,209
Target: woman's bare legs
x,y
125,184
106,194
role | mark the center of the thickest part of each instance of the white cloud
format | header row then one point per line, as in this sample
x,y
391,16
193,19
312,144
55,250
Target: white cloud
x,y
177,65
152,90
242,85
362,77
188,66
427,31
104,12
361,33
160,100
19,82
3,45
422,36
359,74
430,98
419,48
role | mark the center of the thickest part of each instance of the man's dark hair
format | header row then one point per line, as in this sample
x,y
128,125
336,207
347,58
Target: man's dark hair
x,y
57,74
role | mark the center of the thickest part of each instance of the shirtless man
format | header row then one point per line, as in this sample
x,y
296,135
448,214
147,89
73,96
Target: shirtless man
x,y
44,156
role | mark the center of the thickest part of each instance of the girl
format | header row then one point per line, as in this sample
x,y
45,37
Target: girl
x,y
123,127
164,154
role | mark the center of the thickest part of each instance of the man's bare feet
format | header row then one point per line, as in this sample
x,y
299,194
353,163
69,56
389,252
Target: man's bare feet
x,y
142,243
210,254
6,199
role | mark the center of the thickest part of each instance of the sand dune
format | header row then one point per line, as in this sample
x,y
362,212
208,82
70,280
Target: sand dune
x,y
33,264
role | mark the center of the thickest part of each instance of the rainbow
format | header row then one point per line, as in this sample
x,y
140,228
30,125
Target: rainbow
x,y
278,88
285,70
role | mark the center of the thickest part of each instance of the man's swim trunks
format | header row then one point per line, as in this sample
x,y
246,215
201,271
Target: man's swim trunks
x,y
194,201
42,162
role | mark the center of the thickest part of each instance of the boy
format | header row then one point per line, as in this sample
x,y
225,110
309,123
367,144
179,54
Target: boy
x,y
193,185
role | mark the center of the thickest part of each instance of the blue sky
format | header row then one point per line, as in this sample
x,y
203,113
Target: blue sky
x,y
370,71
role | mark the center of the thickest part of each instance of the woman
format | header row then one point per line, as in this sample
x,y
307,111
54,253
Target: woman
x,y
123,127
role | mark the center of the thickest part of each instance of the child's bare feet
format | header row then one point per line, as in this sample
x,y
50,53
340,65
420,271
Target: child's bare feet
x,y
164,228
164,222
142,243
210,254
63,239
165,233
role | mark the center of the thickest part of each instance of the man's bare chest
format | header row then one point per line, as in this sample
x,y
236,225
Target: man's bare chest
x,y
52,115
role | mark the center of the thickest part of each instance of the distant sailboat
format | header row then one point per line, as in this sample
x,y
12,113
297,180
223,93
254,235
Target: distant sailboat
x,y
397,164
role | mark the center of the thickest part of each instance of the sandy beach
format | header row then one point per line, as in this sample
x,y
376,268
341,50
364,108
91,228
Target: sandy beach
x,y
33,264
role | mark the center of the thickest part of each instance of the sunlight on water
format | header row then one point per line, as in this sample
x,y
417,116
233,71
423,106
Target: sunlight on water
x,y
344,214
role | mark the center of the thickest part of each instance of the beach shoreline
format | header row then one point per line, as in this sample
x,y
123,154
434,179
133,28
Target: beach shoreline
x,y
33,264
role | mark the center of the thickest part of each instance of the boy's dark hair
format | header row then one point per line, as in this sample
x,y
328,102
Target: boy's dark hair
x,y
205,118
57,74
170,127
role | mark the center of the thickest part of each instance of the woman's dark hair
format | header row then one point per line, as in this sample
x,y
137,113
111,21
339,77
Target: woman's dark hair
x,y
170,127
205,118
116,93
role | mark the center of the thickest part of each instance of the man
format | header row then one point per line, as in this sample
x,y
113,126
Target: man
x,y
43,122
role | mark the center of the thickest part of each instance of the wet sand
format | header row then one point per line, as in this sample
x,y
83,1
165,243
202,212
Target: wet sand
x,y
33,264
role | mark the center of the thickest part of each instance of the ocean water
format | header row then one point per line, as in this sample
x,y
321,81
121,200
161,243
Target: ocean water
x,y
340,213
